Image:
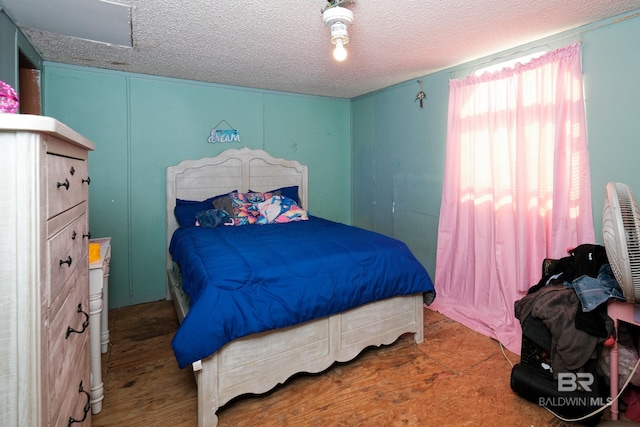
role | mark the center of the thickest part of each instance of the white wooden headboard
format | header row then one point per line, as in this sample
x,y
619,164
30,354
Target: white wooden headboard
x,y
241,169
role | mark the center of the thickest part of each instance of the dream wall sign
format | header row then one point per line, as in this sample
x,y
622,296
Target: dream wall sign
x,y
223,135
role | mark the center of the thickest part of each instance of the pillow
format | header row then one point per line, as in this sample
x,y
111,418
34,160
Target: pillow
x,y
288,192
280,209
245,210
186,210
224,204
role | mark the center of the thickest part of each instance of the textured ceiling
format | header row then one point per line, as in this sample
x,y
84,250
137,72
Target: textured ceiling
x,y
285,46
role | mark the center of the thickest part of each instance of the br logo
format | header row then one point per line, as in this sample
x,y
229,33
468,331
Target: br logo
x,y
568,381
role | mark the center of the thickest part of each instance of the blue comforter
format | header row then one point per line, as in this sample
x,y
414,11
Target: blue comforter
x,y
248,279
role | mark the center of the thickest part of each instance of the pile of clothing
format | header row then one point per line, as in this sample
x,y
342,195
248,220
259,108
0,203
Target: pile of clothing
x,y
570,302
564,320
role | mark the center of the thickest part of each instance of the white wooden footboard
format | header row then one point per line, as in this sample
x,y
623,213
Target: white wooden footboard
x,y
259,362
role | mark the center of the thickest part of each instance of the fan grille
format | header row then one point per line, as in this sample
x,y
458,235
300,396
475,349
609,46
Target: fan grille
x,y
621,234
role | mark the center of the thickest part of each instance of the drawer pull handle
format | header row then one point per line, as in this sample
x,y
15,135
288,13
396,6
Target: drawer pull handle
x,y
72,170
73,235
66,261
88,235
87,406
88,180
64,184
85,324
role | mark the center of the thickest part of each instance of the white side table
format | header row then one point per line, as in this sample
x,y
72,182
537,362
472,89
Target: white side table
x,y
98,319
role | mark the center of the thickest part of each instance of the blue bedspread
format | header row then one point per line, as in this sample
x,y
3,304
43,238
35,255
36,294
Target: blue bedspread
x,y
248,279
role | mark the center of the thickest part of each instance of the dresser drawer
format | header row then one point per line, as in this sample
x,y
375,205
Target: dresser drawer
x,y
69,353
67,250
67,183
72,399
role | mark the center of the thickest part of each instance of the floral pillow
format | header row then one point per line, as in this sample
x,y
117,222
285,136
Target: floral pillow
x,y
245,209
280,209
265,208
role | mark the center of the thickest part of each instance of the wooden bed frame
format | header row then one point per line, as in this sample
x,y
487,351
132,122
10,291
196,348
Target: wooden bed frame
x,y
259,362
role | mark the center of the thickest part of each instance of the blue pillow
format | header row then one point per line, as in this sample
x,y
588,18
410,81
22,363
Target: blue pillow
x,y
186,210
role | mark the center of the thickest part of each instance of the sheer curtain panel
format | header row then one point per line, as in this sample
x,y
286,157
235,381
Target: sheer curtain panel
x,y
516,188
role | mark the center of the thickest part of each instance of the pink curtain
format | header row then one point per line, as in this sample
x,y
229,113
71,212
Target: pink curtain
x,y
516,189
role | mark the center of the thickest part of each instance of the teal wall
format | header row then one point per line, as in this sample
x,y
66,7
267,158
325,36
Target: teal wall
x,y
398,148
611,69
8,51
398,163
142,124
12,41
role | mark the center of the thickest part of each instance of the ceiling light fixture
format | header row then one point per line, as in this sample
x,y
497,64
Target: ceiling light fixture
x,y
338,19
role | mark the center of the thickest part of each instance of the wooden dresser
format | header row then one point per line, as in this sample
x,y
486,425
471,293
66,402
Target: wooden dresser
x,y
45,377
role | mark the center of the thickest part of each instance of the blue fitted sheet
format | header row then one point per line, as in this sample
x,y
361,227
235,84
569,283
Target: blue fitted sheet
x,y
248,279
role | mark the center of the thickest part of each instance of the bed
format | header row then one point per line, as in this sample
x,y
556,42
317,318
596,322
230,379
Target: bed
x,y
308,338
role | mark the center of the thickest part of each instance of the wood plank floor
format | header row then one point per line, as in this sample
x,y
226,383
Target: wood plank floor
x,y
456,377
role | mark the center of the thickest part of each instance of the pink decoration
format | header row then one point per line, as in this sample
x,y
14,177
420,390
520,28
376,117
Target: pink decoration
x,y
8,99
